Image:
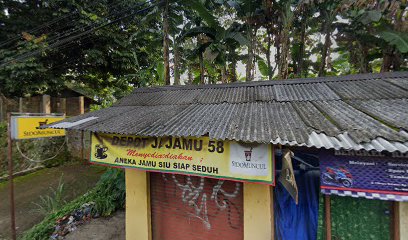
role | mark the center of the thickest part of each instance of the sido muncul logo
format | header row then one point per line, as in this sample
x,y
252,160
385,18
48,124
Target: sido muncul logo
x,y
248,154
249,159
42,123
100,151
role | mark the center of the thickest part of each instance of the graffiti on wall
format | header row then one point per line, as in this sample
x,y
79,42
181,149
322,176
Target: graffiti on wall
x,y
195,196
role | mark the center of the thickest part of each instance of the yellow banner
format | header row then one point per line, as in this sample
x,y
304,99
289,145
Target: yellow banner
x,y
27,127
192,156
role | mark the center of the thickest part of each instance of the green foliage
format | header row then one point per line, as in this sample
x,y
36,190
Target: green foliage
x,y
111,193
368,17
397,39
160,71
37,149
203,12
263,68
358,218
3,133
108,195
101,60
128,53
52,203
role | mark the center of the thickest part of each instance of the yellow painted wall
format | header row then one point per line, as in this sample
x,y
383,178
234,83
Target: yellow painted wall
x,y
257,209
403,216
137,205
257,212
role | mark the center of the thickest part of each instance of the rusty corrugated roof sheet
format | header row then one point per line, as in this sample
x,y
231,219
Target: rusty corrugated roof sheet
x,y
366,111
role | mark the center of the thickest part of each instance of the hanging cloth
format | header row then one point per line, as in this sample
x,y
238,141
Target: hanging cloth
x,y
298,222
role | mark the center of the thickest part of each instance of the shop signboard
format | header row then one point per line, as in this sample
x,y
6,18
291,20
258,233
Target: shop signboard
x,y
193,156
380,177
28,126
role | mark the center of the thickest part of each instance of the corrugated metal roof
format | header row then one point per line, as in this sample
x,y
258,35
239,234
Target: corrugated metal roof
x,y
367,89
394,111
350,112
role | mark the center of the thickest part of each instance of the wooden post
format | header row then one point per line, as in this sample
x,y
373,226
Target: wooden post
x,y
11,179
327,213
403,220
81,104
46,104
21,104
272,212
63,106
395,221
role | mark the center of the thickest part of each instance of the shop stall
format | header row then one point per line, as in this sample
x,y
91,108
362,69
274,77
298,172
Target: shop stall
x,y
322,158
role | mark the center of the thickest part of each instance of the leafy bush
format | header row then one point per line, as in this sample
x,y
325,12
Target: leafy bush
x,y
36,149
108,195
112,192
3,128
3,149
45,148
52,203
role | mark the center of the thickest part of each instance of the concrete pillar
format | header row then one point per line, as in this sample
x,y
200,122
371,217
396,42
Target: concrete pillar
x,y
403,218
138,220
258,222
46,104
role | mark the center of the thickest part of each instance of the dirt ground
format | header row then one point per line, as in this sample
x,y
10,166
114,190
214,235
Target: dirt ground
x,y
101,229
77,179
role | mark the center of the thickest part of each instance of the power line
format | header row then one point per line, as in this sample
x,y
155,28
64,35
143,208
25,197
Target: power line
x,y
37,29
45,25
70,34
67,32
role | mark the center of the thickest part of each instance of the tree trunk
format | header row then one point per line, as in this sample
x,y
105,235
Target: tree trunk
x,y
268,56
363,61
300,61
397,61
287,20
250,61
326,46
248,71
391,60
234,71
190,75
278,41
166,41
232,68
176,65
224,76
283,61
201,60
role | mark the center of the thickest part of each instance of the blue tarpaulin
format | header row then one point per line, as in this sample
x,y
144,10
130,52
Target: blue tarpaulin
x,y
298,222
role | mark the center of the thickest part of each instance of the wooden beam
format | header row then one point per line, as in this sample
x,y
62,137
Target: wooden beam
x,y
327,214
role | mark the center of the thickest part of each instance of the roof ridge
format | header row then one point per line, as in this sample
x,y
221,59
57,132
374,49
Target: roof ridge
x,y
294,81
